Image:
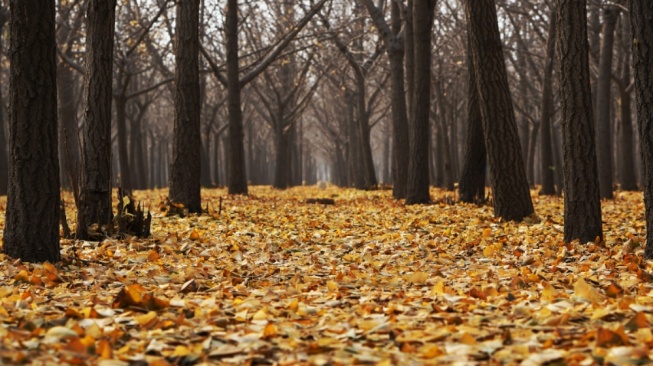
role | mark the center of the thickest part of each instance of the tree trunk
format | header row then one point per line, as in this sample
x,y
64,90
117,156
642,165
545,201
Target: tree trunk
x,y
546,153
123,156
627,176
32,217
418,166
641,12
95,186
471,186
582,199
68,134
512,200
237,169
185,170
4,175
603,102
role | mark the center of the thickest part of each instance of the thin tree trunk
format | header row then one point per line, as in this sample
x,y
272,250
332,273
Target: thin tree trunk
x,y
546,153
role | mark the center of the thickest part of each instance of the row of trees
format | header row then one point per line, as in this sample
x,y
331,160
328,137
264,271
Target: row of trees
x,y
317,76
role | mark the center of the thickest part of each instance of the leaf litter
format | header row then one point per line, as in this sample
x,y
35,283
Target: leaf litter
x,y
271,279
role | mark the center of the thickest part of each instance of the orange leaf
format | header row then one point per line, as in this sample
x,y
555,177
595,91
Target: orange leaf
x,y
606,338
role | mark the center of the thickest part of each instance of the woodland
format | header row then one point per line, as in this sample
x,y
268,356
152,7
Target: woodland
x,y
326,182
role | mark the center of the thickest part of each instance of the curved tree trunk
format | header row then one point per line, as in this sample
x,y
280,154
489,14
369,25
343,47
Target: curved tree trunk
x,y
512,200
185,170
32,218
582,200
95,186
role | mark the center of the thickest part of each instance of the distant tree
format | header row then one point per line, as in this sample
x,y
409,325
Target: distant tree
x,y
512,200
641,12
4,176
32,218
95,186
394,45
603,102
582,200
185,168
626,161
546,153
472,181
419,132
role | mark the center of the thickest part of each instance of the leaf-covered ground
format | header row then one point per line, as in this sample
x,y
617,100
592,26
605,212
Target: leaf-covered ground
x,y
272,279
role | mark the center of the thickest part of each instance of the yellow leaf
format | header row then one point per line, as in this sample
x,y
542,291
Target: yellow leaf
x,y
181,351
146,318
293,305
487,232
549,293
260,315
332,286
194,235
430,351
417,277
585,291
438,289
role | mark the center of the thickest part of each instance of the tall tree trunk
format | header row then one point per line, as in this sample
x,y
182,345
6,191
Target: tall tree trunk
x,y
641,12
95,187
471,186
237,169
627,176
4,174
409,54
185,170
32,217
603,102
418,166
512,200
546,153
582,199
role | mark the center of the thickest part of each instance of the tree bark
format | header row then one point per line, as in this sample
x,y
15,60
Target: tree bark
x,y
627,176
185,169
546,153
237,177
603,102
32,217
417,191
95,186
512,200
582,199
641,12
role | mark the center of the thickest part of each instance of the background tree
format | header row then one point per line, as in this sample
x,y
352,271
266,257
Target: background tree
x,y
582,199
512,200
95,186
32,220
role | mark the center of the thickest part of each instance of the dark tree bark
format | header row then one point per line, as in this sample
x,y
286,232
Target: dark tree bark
x,y
627,177
236,166
95,186
32,218
417,190
641,12
512,200
471,186
185,169
4,175
121,126
582,200
603,102
546,153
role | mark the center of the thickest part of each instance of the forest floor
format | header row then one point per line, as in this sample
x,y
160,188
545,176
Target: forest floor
x,y
272,279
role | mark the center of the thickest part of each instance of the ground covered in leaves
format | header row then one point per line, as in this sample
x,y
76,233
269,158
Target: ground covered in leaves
x,y
272,279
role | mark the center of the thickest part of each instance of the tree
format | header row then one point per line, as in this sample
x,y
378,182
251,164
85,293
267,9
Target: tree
x,y
641,11
472,180
95,186
419,132
603,102
582,200
185,168
546,155
512,200
32,218
394,45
